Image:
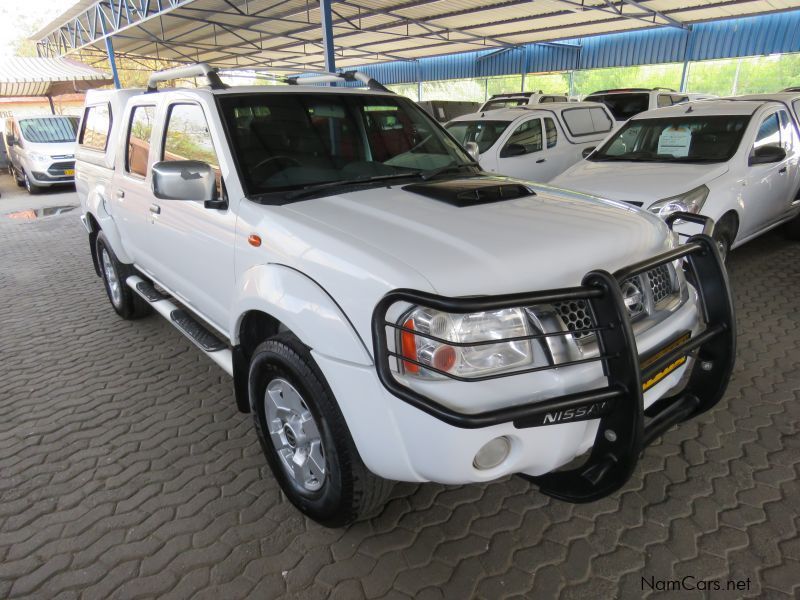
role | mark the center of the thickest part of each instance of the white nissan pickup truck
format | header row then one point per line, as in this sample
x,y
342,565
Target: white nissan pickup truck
x,y
387,310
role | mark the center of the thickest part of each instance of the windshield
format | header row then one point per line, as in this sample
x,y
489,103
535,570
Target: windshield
x,y
504,103
483,133
286,141
623,106
52,130
678,139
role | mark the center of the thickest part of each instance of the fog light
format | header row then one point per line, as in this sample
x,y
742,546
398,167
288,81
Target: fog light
x,y
492,453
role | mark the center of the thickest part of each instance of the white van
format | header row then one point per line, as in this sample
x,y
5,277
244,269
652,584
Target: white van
x,y
41,150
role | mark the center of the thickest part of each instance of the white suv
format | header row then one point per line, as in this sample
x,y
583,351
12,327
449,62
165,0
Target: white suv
x,y
735,161
388,311
628,102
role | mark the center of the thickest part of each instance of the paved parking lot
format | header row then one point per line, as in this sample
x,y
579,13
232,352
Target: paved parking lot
x,y
126,472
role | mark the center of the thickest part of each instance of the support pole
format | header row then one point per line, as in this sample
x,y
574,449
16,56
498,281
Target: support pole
x,y
52,106
687,54
326,22
112,61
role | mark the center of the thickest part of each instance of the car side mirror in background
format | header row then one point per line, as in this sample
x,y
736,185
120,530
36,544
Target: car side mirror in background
x,y
473,150
767,154
184,180
512,150
587,151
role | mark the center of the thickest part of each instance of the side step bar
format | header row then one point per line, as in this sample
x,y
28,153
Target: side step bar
x,y
209,343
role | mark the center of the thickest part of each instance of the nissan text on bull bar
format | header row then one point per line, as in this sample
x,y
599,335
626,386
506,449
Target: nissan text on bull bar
x,y
387,310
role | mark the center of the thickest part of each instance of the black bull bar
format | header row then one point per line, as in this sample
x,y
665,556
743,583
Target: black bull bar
x,y
625,427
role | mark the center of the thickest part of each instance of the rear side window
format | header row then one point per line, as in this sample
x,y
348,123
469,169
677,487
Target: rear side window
x,y
137,153
187,137
586,121
96,125
664,100
623,105
550,132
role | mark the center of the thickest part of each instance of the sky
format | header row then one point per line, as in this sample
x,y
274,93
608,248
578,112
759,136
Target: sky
x,y
20,18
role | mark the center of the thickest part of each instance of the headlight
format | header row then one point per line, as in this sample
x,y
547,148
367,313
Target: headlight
x,y
38,157
479,329
692,201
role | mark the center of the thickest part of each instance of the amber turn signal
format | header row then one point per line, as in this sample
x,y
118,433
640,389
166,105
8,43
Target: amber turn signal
x,y
254,240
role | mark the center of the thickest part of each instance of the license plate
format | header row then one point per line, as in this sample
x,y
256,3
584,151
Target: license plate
x,y
69,171
670,367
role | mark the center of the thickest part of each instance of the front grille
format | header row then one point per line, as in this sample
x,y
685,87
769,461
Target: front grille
x,y
660,283
58,168
577,314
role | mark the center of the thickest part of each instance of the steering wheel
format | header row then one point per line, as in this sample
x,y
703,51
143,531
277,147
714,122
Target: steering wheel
x,y
278,157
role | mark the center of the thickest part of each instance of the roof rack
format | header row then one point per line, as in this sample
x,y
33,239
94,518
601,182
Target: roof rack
x,y
349,76
196,70
512,95
794,88
655,89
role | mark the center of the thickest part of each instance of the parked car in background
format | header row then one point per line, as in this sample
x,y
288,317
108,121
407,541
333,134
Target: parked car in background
x,y
736,161
41,150
791,99
520,99
533,142
625,103
387,311
446,110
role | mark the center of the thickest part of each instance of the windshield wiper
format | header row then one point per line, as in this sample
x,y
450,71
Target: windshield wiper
x,y
452,167
314,188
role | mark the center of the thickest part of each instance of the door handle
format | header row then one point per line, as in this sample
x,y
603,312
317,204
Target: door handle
x,y
782,170
155,209
540,161
120,193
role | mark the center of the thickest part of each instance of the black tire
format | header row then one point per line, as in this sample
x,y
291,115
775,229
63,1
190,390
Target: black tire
x,y
725,234
792,229
349,491
20,181
127,304
29,185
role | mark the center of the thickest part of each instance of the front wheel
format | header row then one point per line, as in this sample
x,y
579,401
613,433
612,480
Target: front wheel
x,y
305,437
29,185
724,235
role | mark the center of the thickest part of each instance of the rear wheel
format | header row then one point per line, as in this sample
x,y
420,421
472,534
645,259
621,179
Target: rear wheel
x,y
305,437
114,273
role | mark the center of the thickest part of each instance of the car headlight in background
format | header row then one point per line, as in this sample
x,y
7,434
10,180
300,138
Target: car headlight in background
x,y
38,157
691,202
475,328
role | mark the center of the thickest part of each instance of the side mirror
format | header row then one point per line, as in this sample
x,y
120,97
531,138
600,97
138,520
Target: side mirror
x,y
587,151
184,180
767,154
473,150
512,150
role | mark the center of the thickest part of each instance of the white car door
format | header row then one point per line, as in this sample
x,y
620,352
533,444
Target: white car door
x,y
130,189
522,152
194,244
768,189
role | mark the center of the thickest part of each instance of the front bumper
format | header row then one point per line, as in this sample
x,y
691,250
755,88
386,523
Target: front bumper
x,y
54,173
627,423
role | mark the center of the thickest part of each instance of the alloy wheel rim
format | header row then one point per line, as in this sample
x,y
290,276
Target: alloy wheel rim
x,y
294,435
111,278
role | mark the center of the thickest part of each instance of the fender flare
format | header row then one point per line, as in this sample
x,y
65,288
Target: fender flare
x,y
95,206
301,305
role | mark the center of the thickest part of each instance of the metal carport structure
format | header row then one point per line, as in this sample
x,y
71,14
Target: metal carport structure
x,y
292,35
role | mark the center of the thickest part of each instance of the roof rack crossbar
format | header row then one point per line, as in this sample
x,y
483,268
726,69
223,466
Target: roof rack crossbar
x,y
195,70
371,83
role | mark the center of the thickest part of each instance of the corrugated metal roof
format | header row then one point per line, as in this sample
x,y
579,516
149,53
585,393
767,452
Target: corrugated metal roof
x,y
47,77
286,35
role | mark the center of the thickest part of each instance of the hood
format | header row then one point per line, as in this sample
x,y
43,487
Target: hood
x,y
545,239
51,149
642,183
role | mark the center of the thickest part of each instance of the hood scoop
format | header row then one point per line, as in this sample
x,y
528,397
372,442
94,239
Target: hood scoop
x,y
472,191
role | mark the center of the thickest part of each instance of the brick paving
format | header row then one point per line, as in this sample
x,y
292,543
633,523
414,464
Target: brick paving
x,y
126,472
